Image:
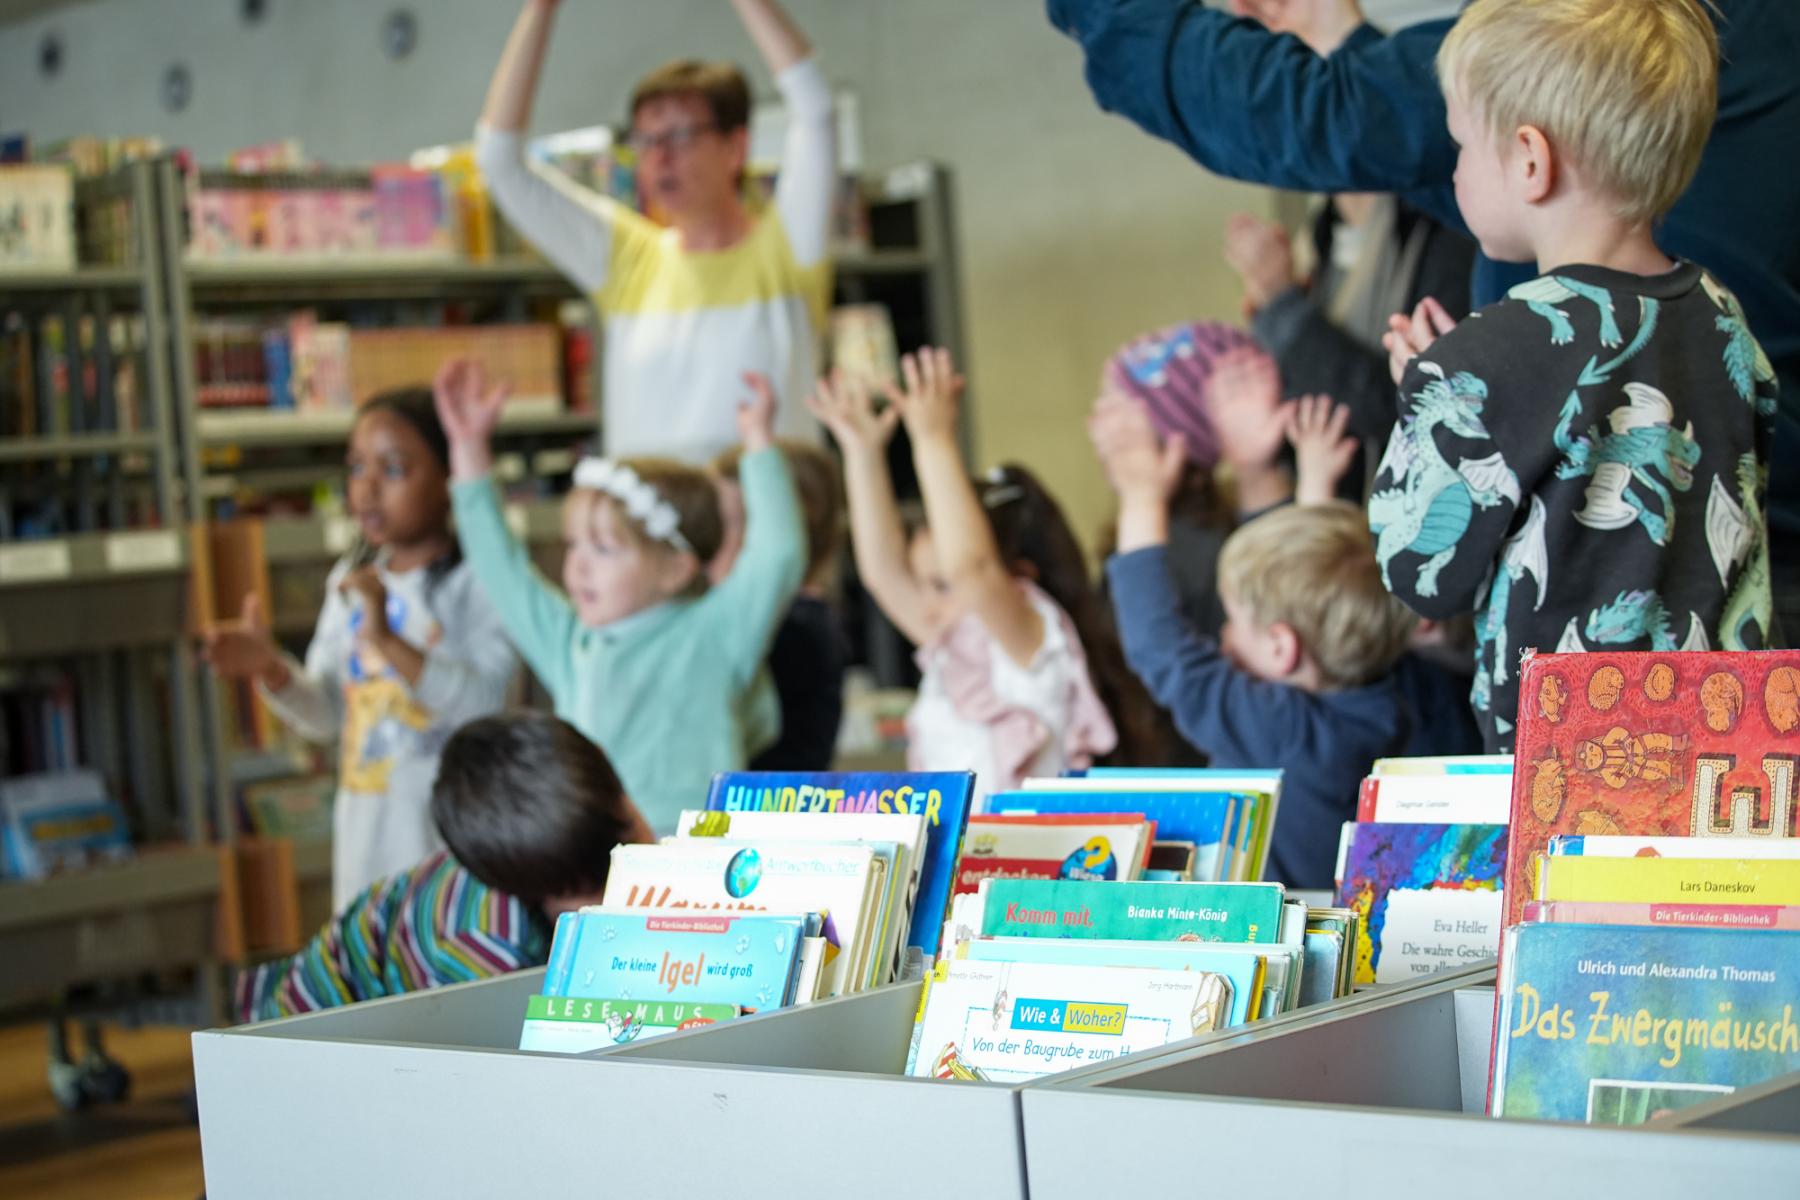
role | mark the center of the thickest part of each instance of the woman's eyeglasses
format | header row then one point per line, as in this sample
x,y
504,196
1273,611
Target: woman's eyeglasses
x,y
675,140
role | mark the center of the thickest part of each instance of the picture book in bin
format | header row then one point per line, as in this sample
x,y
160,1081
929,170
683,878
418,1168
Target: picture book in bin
x,y
1008,1022
1670,744
1082,846
1429,896
703,957
1613,1024
943,798
1143,911
844,883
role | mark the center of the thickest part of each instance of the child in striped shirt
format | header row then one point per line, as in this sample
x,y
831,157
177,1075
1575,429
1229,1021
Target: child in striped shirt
x,y
530,811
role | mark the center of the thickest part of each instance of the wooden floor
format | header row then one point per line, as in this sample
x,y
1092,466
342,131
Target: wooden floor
x,y
147,1148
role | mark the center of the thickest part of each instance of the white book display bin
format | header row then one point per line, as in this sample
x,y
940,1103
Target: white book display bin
x,y
1387,1089
425,1095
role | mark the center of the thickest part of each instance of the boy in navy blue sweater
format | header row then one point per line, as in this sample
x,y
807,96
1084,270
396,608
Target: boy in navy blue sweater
x,y
1299,677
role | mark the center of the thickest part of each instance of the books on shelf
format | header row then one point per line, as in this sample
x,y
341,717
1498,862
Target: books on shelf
x,y
57,821
37,218
271,211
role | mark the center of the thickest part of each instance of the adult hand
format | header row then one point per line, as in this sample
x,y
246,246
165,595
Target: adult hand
x,y
929,395
1321,24
1244,399
1262,255
469,410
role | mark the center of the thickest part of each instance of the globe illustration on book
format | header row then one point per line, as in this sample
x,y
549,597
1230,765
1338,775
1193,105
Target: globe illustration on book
x,y
743,873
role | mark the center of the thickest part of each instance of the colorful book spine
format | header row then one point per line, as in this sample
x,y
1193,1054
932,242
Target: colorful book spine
x,y
1698,916
1671,880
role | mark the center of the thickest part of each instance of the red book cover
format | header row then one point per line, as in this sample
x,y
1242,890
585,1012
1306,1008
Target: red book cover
x,y
1365,800
1652,744
1699,744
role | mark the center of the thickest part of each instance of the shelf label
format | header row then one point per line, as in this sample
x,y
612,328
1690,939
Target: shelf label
x,y
143,550
33,561
340,532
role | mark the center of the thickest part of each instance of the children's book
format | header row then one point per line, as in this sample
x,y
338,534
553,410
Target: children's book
x,y
1257,792
1472,798
1614,1025
1673,847
834,880
1670,880
1652,745
714,958
942,798
576,1025
1451,764
1247,972
1699,916
906,831
1081,846
1428,896
57,821
1140,911
1201,817
1011,1022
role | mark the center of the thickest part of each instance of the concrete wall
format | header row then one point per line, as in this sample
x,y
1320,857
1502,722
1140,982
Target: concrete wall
x,y
1076,230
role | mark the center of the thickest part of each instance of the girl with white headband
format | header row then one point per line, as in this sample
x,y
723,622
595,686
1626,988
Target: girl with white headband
x,y
637,651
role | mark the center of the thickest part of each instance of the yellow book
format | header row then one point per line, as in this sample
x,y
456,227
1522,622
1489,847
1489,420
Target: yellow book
x,y
1670,880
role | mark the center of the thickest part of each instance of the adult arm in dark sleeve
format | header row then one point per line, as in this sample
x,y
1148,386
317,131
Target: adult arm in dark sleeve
x,y
1262,107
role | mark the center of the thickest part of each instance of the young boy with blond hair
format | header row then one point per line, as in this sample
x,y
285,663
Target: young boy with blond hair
x,y
1299,677
1584,465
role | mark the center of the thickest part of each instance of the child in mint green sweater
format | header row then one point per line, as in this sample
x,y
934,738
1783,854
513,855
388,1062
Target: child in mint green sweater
x,y
664,673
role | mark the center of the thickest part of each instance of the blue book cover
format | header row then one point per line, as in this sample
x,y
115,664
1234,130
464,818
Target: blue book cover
x,y
1203,818
1615,1024
943,797
701,958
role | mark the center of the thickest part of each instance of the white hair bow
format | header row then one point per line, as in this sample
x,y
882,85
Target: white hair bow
x,y
643,502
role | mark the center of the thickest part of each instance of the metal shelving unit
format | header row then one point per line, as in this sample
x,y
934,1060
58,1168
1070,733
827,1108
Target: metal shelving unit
x,y
108,602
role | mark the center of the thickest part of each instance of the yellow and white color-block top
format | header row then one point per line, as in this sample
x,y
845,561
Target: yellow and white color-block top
x,y
681,328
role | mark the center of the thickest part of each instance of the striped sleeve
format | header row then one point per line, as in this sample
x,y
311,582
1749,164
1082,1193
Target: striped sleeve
x,y
422,928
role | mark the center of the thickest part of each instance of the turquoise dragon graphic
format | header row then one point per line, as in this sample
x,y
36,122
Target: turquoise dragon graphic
x,y
1624,460
1430,505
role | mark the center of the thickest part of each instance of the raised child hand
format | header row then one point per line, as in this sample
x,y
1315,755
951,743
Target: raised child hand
x,y
1137,467
1409,336
1247,412
244,649
1322,451
469,410
843,405
756,415
930,394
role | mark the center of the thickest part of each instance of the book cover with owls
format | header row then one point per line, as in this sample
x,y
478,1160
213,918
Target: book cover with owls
x,y
1652,744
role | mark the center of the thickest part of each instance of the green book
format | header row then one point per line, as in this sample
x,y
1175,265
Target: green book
x,y
1144,911
574,1024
